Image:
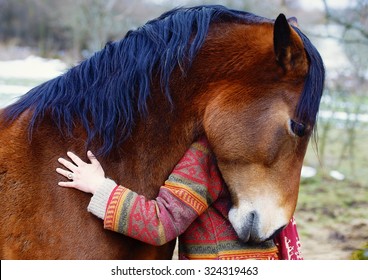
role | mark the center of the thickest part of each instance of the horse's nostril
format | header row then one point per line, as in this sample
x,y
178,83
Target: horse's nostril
x,y
253,227
252,222
252,218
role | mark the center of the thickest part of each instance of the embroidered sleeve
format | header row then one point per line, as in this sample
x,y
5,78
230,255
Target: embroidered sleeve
x,y
191,187
288,242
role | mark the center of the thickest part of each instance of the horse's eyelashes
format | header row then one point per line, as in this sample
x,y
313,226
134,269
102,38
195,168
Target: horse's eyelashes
x,y
297,128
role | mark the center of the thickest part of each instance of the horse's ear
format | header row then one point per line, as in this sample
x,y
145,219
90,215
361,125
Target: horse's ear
x,y
287,45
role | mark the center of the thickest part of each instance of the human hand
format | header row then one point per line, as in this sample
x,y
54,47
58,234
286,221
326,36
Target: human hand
x,y
83,176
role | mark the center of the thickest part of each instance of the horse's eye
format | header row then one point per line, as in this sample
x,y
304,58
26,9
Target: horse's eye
x,y
297,128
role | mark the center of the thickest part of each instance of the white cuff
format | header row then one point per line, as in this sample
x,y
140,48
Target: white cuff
x,y
98,203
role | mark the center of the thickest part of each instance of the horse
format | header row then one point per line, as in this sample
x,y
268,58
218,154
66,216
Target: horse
x,y
250,85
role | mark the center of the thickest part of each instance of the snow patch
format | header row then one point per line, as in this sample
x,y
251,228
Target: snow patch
x,y
32,67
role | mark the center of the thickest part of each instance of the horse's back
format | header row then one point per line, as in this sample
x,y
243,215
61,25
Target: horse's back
x,y
42,221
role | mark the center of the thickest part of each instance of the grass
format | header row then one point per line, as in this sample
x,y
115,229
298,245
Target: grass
x,y
333,201
332,215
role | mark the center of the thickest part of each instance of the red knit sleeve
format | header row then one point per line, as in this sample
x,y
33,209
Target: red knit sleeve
x,y
191,187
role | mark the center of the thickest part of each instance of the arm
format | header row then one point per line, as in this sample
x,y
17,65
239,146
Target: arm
x,y
153,221
180,201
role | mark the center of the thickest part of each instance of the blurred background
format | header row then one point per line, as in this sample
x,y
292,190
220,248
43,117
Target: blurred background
x,y
40,39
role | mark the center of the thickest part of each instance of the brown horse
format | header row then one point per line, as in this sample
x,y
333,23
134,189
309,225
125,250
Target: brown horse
x,y
250,84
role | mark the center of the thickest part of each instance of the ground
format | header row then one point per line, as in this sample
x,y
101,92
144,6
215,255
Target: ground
x,y
331,242
332,221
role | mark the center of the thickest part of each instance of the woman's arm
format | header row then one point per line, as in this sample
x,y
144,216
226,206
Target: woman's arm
x,y
180,201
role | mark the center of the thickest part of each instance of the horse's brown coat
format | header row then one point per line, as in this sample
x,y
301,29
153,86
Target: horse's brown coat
x,y
235,92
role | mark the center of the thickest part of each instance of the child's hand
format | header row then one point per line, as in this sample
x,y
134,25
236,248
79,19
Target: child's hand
x,y
86,177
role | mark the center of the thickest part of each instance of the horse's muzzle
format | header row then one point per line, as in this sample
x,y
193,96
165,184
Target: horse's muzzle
x,y
248,226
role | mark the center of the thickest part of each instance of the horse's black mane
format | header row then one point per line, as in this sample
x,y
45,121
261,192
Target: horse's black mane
x,y
308,106
106,92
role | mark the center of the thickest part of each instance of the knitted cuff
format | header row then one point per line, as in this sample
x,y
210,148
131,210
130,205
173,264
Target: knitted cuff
x,y
98,203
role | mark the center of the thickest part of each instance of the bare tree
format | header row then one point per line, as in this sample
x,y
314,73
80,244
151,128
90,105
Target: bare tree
x,y
353,18
346,90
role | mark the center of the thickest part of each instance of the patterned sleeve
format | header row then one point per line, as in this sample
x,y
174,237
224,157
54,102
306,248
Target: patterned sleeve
x,y
288,242
184,196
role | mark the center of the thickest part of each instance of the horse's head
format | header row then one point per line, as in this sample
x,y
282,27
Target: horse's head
x,y
259,120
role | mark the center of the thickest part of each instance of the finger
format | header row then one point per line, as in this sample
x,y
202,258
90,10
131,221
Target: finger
x,y
75,159
63,172
67,184
92,158
67,164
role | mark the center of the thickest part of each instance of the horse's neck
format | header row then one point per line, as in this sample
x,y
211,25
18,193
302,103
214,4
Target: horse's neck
x,y
148,157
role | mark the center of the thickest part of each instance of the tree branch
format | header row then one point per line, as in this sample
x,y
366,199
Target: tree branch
x,y
348,25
